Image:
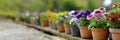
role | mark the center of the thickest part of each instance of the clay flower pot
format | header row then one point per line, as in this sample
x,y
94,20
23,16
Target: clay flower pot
x,y
7,17
60,27
75,30
17,19
27,20
100,33
67,28
32,21
51,24
115,33
85,32
44,23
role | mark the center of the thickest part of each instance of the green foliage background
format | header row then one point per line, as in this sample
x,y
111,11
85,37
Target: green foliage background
x,y
14,6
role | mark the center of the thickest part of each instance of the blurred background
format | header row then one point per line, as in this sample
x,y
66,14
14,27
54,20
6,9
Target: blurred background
x,y
9,6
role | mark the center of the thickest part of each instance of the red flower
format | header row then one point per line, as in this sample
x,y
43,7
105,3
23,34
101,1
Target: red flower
x,y
113,20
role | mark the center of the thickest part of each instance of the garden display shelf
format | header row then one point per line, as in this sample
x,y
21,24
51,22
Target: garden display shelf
x,y
52,31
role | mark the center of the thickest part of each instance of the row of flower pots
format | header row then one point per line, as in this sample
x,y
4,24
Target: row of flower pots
x,y
87,24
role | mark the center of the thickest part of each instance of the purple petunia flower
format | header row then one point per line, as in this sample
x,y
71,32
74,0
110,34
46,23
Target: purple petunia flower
x,y
79,16
81,12
76,12
90,17
98,18
88,12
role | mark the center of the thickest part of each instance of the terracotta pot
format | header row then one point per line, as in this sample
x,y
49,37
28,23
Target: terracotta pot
x,y
67,28
17,19
60,27
44,23
51,24
85,32
27,20
100,33
32,21
115,33
7,17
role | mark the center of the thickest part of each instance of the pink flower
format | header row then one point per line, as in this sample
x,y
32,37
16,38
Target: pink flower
x,y
102,8
98,12
89,17
98,18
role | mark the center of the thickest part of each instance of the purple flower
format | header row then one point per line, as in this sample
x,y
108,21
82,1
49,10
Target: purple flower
x,y
98,18
81,12
35,13
66,16
79,16
98,12
88,12
76,12
90,17
61,18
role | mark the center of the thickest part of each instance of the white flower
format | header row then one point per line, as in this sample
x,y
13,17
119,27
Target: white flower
x,y
27,13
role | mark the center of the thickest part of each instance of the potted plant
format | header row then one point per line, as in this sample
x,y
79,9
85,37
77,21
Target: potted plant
x,y
26,16
51,16
98,24
114,21
44,20
12,16
21,16
33,17
59,20
74,24
16,16
66,24
83,23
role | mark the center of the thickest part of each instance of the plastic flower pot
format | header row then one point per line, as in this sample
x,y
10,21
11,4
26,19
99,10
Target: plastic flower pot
x,y
75,30
32,21
100,33
67,28
44,23
85,32
115,33
51,24
54,25
60,27
17,19
37,21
